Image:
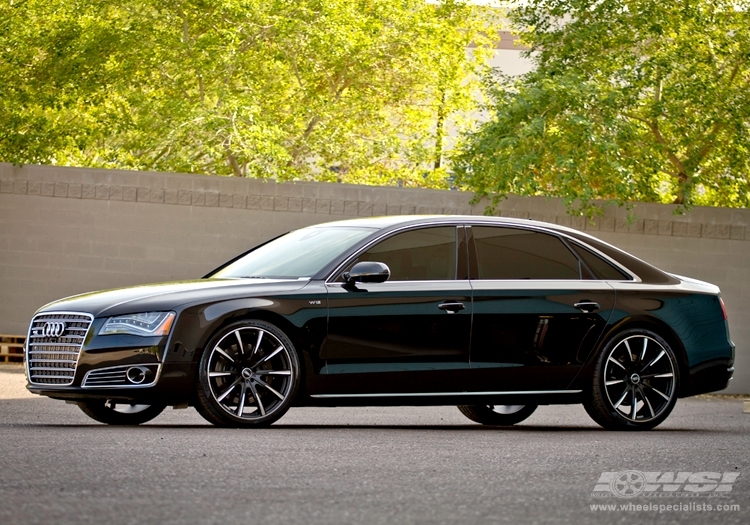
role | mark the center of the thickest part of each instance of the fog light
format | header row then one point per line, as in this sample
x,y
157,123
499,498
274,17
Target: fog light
x,y
138,374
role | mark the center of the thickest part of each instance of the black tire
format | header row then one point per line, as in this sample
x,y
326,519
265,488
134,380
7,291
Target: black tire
x,y
119,413
248,375
497,415
635,382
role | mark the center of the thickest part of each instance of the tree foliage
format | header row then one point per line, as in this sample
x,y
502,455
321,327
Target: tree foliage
x,y
293,89
631,100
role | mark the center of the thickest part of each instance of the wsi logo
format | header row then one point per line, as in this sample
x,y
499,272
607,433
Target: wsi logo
x,y
631,483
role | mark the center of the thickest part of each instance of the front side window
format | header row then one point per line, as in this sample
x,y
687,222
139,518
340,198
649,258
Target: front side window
x,y
514,253
428,254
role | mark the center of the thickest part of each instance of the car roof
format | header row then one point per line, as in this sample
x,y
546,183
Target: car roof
x,y
386,222
645,271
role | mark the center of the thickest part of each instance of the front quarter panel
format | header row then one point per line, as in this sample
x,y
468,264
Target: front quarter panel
x,y
300,313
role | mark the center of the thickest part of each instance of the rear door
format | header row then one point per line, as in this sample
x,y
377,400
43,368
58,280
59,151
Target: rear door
x,y
535,318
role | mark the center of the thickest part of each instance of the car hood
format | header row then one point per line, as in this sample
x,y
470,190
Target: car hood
x,y
167,296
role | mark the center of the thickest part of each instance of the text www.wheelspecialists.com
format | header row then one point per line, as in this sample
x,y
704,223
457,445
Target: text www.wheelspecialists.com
x,y
662,508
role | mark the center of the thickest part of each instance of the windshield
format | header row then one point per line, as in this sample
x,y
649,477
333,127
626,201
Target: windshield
x,y
298,254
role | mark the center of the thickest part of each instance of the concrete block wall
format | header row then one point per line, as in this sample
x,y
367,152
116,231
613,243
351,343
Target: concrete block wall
x,y
71,230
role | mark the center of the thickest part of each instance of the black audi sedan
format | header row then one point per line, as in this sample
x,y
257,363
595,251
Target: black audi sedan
x,y
495,316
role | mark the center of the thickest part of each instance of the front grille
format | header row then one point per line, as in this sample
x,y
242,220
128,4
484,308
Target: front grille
x,y
52,348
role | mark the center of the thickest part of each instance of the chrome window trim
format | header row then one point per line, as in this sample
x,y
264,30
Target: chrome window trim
x,y
157,376
466,281
446,394
545,284
27,348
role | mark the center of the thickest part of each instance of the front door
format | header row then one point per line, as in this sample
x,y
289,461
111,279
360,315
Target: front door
x,y
409,334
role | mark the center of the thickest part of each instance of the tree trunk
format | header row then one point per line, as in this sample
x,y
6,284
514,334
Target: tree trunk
x,y
682,179
236,169
440,131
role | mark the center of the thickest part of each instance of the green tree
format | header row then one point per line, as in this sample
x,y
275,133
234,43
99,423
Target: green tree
x,y
267,88
631,100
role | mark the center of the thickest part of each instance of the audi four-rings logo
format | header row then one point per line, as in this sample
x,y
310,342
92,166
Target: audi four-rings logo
x,y
54,328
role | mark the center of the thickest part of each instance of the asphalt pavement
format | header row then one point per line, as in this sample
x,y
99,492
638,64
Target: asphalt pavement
x,y
401,465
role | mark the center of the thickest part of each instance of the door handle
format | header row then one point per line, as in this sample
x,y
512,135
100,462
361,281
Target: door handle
x,y
451,307
587,306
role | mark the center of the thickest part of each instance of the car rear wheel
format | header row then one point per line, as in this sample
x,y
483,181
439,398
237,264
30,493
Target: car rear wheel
x,y
113,413
248,375
497,415
635,382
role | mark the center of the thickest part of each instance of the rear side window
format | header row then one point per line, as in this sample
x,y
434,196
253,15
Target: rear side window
x,y
511,253
428,254
601,268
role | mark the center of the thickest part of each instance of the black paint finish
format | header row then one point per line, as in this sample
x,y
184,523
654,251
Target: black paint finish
x,y
533,337
456,341
394,337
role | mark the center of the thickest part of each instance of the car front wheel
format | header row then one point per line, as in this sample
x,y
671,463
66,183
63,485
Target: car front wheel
x,y
635,382
113,413
248,375
497,415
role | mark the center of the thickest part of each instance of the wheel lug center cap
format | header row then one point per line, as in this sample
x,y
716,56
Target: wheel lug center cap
x,y
635,379
247,373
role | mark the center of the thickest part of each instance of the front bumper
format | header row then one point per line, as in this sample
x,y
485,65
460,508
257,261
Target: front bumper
x,y
170,389
102,372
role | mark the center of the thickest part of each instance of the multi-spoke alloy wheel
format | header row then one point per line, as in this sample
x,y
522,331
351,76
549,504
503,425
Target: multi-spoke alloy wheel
x,y
114,413
498,415
635,383
248,375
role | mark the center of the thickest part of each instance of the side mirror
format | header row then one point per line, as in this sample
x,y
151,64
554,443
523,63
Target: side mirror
x,y
367,272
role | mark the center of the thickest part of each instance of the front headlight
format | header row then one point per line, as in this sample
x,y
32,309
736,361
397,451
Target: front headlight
x,y
145,324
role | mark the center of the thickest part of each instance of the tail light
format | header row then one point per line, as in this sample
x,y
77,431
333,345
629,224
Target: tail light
x,y
723,308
